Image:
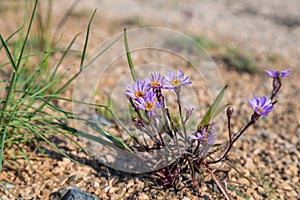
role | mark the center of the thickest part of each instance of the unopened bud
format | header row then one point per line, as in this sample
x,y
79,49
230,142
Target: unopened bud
x,y
229,111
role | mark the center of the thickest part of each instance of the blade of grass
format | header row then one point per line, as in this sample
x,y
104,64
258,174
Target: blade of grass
x,y
37,54
27,34
35,93
60,98
3,128
86,40
131,67
2,145
55,108
63,56
109,136
88,136
9,55
15,65
13,34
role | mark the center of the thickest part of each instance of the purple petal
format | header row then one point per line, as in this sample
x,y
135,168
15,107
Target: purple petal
x,y
253,102
171,76
285,73
267,110
180,74
262,101
250,103
272,74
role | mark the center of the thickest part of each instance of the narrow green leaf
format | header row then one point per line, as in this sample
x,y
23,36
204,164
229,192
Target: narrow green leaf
x,y
96,139
40,90
9,55
213,109
54,107
14,33
38,54
131,67
27,34
3,133
86,40
63,57
109,136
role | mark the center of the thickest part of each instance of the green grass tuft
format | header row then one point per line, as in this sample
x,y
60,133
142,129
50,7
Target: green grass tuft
x,y
205,42
29,111
242,62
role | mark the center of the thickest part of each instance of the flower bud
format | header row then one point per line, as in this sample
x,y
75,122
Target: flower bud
x,y
229,111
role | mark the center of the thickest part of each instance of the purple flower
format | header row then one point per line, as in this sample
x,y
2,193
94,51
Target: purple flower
x,y
274,74
177,81
137,90
156,81
148,104
261,106
199,135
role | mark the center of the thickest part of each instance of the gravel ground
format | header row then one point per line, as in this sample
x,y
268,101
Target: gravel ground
x,y
268,155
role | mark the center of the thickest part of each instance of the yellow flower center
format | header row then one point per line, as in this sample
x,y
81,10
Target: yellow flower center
x,y
139,94
259,109
155,84
149,106
176,82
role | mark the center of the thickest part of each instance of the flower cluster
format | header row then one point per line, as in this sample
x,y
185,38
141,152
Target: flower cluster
x,y
146,96
146,93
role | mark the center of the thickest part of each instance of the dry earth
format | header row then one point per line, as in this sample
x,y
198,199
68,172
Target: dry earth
x,y
269,154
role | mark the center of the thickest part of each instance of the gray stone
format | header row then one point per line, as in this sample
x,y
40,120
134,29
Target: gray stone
x,y
71,193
